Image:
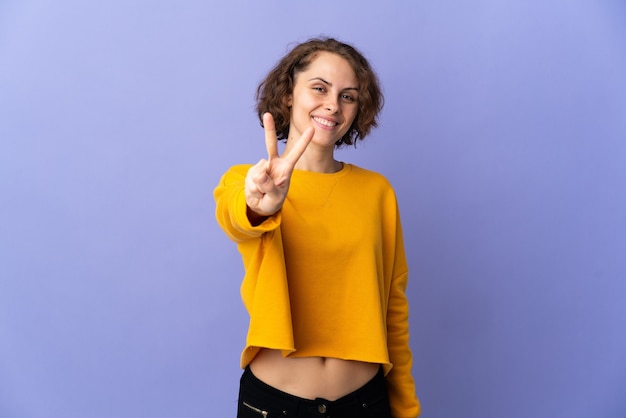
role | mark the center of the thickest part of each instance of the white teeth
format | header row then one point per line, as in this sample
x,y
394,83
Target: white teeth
x,y
325,122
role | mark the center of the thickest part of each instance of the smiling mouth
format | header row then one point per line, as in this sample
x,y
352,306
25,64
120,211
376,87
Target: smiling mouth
x,y
325,122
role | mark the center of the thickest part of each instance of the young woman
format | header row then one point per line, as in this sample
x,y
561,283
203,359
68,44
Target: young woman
x,y
322,247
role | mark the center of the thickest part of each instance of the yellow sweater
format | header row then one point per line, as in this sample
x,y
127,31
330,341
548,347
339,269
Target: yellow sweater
x,y
326,276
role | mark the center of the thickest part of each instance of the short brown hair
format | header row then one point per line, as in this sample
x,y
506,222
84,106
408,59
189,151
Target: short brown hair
x,y
273,92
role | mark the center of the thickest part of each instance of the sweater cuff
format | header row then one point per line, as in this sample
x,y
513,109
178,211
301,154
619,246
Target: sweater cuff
x,y
239,218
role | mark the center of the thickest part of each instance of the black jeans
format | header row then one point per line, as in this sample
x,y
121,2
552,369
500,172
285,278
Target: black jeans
x,y
260,400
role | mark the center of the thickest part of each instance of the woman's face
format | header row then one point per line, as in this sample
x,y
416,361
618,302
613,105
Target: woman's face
x,y
325,96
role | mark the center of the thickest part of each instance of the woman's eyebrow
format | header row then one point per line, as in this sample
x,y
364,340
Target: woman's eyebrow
x,y
322,80
328,83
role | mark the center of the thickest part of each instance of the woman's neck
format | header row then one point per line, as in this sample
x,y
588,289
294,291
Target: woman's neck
x,y
319,160
319,166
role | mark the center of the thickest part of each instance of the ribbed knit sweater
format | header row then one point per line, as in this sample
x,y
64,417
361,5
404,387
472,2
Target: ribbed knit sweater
x,y
326,275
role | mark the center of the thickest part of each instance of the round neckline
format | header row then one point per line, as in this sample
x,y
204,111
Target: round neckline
x,y
345,169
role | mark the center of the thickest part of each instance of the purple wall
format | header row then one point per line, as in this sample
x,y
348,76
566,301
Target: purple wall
x,y
504,133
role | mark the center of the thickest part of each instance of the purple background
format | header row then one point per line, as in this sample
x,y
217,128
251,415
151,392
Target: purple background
x,y
504,133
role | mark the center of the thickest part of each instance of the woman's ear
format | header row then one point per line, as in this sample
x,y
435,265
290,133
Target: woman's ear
x,y
288,100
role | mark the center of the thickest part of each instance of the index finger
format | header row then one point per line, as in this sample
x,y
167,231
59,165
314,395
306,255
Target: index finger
x,y
271,140
299,147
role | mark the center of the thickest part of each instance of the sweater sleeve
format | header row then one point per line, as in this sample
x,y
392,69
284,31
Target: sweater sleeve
x,y
404,402
401,387
231,207
264,289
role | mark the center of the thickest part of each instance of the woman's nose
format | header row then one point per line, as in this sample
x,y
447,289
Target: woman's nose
x,y
331,105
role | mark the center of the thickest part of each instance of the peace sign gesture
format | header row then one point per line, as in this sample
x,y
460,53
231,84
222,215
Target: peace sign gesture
x,y
267,182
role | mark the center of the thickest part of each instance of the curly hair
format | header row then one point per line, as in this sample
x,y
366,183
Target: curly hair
x,y
273,92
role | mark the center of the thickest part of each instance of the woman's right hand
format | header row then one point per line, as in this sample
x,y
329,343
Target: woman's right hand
x,y
267,182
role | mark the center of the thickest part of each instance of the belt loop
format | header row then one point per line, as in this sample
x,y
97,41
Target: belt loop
x,y
297,407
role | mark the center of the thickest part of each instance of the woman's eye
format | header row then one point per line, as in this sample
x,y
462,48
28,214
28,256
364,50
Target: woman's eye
x,y
347,98
319,89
